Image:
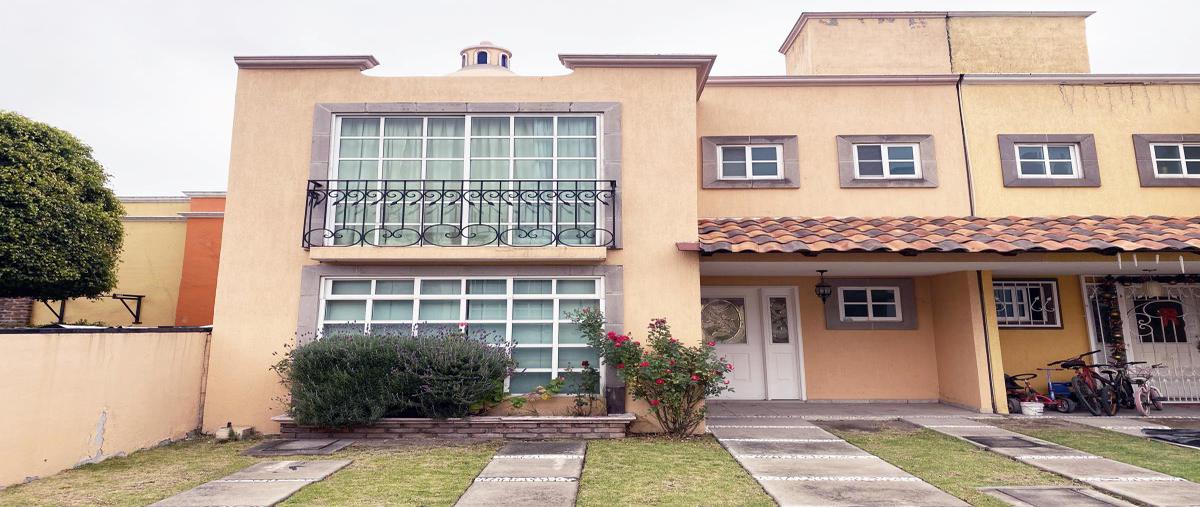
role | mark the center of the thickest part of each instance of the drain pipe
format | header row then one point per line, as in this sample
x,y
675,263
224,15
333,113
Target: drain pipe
x,y
987,341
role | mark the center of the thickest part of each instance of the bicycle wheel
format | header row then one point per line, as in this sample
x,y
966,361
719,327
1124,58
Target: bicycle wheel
x,y
1108,400
1156,398
1086,395
1127,394
1141,401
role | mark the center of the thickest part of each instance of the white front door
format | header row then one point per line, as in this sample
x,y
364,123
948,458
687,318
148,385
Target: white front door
x,y
1164,327
757,331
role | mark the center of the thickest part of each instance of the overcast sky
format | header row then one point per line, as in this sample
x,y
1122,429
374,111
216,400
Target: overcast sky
x,y
149,84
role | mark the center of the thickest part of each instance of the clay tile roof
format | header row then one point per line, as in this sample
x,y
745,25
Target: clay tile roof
x,y
950,234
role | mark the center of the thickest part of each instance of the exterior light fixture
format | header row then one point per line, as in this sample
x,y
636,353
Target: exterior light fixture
x,y
823,289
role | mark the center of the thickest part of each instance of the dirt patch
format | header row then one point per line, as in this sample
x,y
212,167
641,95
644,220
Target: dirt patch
x,y
867,426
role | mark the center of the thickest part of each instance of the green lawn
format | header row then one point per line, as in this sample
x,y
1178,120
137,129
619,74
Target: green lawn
x,y
398,475
950,464
662,471
1158,456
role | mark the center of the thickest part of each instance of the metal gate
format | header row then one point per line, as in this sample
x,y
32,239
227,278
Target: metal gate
x,y
1156,322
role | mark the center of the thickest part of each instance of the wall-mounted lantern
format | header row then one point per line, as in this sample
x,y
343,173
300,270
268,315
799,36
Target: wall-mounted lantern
x,y
823,289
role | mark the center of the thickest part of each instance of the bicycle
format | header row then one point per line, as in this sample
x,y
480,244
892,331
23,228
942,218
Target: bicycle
x,y
1090,389
1118,378
1018,393
1145,396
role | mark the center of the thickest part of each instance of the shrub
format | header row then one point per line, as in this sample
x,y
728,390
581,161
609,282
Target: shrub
x,y
357,379
673,378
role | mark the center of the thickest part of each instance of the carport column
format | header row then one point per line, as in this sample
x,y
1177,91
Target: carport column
x,y
992,339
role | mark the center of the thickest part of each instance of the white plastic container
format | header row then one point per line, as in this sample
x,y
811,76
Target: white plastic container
x,y
1032,407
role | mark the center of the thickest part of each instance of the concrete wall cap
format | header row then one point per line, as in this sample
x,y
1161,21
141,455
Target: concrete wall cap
x,y
702,63
1096,79
834,80
360,62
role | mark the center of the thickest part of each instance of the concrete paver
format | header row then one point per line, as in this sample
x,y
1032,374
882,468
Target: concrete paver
x,y
523,474
868,466
1053,496
758,447
1128,481
260,484
860,493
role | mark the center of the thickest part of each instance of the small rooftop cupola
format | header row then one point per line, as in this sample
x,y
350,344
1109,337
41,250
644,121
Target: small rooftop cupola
x,y
485,59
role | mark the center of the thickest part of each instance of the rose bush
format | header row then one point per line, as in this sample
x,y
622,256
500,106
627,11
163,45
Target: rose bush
x,y
673,378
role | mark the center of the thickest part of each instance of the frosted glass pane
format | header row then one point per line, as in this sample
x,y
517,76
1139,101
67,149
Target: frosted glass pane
x,y
576,286
484,126
391,310
577,126
576,169
345,310
568,306
443,170
402,127
394,287
440,287
357,170
360,127
444,148
532,357
487,286
534,126
574,357
401,170
439,310
350,287
446,127
358,148
576,147
521,383
533,310
531,286
487,147
532,333
533,170
533,148
488,170
487,310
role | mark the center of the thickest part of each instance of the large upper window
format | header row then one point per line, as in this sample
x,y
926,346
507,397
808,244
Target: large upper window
x,y
529,313
1048,161
887,161
1176,160
469,180
1022,303
750,162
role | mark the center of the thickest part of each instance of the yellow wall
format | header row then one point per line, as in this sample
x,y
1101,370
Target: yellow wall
x,y
1023,44
1111,113
959,340
79,398
909,45
150,264
860,365
259,281
817,115
1027,349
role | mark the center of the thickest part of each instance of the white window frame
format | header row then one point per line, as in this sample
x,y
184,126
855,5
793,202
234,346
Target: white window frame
x,y
1076,168
416,297
1023,312
600,212
749,162
897,302
1183,160
887,170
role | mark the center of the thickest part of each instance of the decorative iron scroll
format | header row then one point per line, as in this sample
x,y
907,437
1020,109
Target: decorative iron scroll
x,y
522,213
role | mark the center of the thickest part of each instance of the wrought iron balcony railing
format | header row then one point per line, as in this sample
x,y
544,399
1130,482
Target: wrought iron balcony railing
x,y
460,213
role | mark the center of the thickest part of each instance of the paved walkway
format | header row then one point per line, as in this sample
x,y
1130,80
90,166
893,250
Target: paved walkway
x,y
798,463
527,474
258,485
1135,483
832,411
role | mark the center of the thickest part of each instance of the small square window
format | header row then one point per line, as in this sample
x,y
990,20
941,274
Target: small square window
x,y
869,304
750,162
1048,161
1176,160
887,161
1026,303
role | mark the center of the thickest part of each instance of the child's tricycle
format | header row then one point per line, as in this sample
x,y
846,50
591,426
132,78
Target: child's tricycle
x,y
1020,391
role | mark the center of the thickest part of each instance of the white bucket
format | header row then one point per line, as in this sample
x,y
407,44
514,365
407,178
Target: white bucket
x,y
1032,407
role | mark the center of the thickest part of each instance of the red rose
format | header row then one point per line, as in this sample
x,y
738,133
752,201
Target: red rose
x,y
726,381
654,403
712,344
612,335
620,366
674,340
584,363
635,342
729,367
695,378
667,370
672,362
644,364
659,381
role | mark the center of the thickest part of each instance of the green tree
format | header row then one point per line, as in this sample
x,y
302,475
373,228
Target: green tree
x,y
60,226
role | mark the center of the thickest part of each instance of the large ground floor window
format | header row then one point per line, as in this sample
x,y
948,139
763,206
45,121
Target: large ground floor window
x,y
531,314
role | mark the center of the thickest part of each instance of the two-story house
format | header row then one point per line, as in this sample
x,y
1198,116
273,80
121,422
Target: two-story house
x,y
898,216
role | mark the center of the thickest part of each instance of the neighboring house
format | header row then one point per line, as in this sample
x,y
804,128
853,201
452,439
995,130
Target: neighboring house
x,y
167,274
935,166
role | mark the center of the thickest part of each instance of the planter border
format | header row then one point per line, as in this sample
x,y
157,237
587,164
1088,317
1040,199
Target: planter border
x,y
475,428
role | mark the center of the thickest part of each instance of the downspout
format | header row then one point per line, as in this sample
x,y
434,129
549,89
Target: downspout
x,y
987,340
204,382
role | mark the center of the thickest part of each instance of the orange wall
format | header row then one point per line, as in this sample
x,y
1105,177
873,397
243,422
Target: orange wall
x,y
860,365
201,257
959,340
1027,349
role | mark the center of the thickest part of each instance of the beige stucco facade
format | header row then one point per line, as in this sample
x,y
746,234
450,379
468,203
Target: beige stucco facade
x,y
926,77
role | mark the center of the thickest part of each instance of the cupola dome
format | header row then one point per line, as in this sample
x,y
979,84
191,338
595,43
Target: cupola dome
x,y
485,59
